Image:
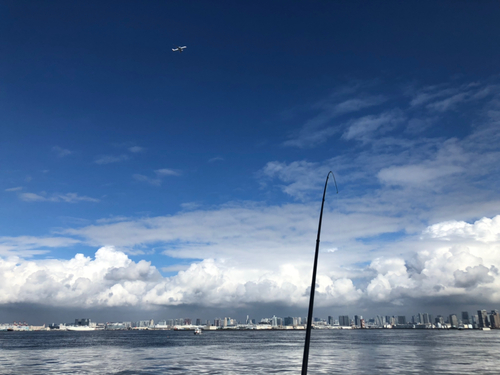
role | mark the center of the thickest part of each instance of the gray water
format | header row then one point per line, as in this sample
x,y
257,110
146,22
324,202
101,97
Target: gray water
x,y
250,352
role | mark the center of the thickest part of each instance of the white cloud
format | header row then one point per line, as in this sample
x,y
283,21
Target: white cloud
x,y
26,246
136,149
318,129
142,178
68,198
108,159
166,172
160,173
61,152
365,127
18,188
484,230
460,267
217,158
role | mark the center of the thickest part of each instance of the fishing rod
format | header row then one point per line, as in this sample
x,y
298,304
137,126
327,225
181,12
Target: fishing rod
x,y
305,358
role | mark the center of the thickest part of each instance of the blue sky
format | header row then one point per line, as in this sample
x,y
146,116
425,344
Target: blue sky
x,y
210,163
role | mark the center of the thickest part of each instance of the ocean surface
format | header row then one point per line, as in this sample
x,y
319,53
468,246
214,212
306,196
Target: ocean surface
x,y
251,352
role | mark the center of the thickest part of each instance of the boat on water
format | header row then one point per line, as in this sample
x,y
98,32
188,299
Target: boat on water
x,y
79,328
197,331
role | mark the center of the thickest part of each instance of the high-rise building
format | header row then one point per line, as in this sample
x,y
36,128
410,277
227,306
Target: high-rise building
x,y
483,321
453,321
288,321
465,317
82,322
401,319
330,320
344,321
425,318
357,320
495,319
198,321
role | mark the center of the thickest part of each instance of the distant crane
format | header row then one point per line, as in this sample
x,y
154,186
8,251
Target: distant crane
x,y
179,48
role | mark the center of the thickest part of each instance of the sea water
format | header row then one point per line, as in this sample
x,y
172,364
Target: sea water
x,y
251,352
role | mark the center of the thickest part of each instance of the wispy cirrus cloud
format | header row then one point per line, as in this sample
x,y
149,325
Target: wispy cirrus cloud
x,y
17,188
214,159
67,198
160,174
136,149
365,127
319,128
108,159
442,98
27,246
61,152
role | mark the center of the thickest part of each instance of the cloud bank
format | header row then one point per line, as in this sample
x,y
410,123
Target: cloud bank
x,y
449,259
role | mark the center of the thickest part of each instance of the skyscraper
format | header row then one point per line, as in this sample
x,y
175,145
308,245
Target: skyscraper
x,y
495,319
344,321
357,320
483,321
453,321
465,317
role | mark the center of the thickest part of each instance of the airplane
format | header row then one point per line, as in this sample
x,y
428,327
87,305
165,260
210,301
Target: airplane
x,y
179,48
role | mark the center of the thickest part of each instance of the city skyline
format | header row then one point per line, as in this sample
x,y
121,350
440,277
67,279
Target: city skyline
x,y
138,180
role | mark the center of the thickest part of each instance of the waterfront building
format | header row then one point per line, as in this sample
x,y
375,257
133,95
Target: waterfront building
x,y
401,319
198,321
439,320
344,321
330,320
82,322
357,320
144,323
188,321
483,320
495,319
465,317
425,318
274,321
379,321
288,321
453,321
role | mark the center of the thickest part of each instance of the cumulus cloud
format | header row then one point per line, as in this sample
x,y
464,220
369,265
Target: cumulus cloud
x,y
463,268
483,230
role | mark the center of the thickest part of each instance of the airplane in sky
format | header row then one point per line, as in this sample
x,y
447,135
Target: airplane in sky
x,y
179,48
